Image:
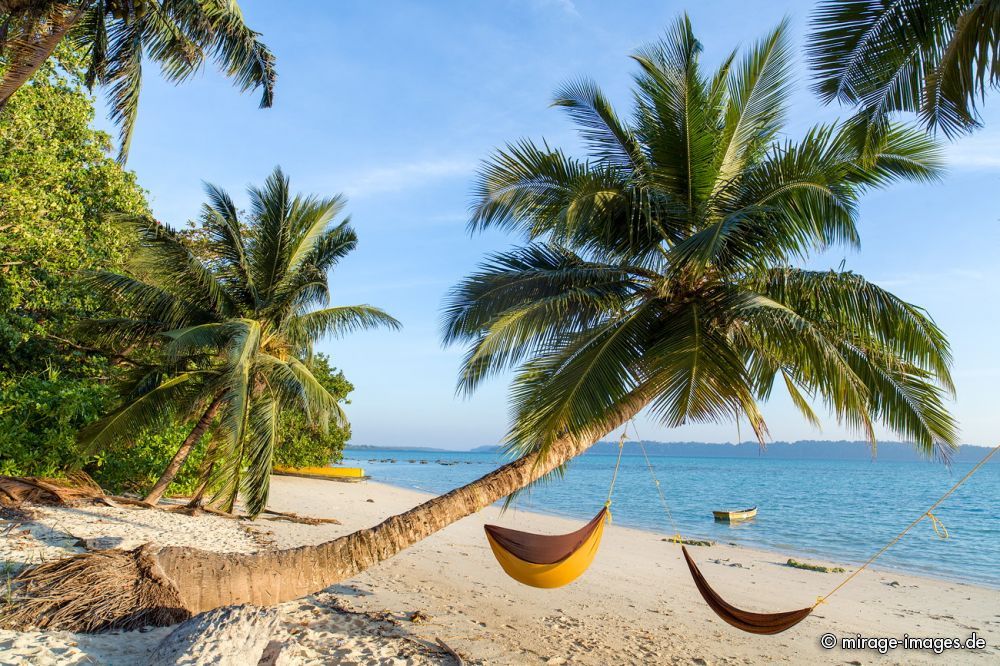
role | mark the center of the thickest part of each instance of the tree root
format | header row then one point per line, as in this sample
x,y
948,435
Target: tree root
x,y
97,591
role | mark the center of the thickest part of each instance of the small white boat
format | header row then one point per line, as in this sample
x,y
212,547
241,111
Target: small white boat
x,y
736,516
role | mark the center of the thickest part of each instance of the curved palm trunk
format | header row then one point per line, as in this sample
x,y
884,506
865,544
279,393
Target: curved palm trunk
x,y
199,494
27,53
182,454
168,584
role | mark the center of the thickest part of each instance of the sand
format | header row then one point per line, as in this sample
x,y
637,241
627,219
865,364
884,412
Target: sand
x,y
636,604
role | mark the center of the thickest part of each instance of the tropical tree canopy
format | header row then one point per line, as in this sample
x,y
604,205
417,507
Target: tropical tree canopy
x,y
234,334
57,183
117,35
934,57
662,266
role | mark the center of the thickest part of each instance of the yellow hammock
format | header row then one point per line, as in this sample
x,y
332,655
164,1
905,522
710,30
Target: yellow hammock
x,y
547,561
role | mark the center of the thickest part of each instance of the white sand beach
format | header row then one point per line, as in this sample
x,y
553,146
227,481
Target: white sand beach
x,y
636,604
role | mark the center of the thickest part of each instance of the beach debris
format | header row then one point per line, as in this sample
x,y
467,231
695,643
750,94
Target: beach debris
x,y
271,514
687,542
555,661
812,567
725,562
419,617
77,487
454,654
230,635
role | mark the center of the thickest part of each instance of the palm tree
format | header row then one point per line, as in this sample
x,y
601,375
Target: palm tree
x,y
116,35
233,334
933,57
658,274
663,266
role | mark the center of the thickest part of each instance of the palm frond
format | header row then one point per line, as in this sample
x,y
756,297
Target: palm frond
x,y
170,398
339,321
262,440
934,57
759,90
570,388
609,140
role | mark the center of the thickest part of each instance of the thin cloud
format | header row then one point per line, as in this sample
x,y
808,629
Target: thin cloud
x,y
406,176
976,151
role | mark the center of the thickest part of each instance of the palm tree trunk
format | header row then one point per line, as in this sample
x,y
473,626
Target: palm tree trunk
x,y
159,585
28,52
199,493
183,452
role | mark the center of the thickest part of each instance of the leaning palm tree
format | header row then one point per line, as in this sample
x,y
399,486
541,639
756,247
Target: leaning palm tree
x,y
233,334
934,57
658,275
116,35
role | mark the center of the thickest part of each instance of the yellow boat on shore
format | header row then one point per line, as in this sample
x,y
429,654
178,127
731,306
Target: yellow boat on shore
x,y
735,516
331,473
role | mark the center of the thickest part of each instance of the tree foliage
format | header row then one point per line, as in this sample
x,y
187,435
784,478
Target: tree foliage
x,y
116,37
661,267
58,184
934,57
305,444
235,329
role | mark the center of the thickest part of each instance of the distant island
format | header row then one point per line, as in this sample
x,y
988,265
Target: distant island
x,y
367,447
800,450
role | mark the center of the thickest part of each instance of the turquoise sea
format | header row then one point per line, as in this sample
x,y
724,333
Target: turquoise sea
x,y
840,510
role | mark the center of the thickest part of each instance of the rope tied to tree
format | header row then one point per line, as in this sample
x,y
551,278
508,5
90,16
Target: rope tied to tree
x,y
614,476
935,522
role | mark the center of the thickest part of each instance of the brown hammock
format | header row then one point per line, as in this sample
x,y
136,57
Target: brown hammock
x,y
754,623
543,548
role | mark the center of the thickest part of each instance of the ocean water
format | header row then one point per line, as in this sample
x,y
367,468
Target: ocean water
x,y
837,510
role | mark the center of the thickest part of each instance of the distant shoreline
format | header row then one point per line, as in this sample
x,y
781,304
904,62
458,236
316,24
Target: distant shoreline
x,y
799,450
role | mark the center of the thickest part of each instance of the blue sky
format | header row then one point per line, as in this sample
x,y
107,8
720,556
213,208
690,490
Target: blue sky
x,y
394,104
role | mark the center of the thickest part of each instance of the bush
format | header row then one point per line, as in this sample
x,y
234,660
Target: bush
x,y
58,187
302,444
135,467
39,418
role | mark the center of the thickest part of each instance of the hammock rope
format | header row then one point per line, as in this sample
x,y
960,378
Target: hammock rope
x,y
926,514
548,561
614,476
656,482
761,623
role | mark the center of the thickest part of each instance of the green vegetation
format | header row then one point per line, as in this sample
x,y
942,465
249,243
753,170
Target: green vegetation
x,y
933,57
305,444
660,268
59,192
230,337
117,36
57,185
813,567
126,467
